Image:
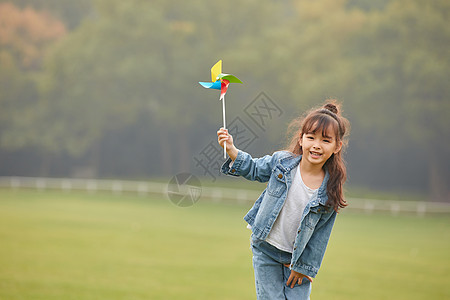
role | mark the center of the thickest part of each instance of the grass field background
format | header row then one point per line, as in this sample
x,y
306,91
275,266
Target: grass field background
x,y
61,245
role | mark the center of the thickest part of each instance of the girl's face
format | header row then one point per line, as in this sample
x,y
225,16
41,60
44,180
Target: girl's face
x,y
318,146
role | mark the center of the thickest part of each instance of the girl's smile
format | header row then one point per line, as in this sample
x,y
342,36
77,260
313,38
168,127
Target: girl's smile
x,y
315,154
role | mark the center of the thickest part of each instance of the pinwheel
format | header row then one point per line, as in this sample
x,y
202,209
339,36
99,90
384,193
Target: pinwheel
x,y
220,81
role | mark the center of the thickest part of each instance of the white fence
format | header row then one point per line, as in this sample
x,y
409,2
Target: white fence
x,y
215,194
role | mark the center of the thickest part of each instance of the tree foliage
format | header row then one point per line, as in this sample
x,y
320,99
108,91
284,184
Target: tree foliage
x,y
24,38
128,70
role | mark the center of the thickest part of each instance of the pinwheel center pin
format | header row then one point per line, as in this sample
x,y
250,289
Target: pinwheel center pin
x,y
221,81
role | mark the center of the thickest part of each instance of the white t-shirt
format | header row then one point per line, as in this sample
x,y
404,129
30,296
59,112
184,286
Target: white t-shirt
x,y
284,230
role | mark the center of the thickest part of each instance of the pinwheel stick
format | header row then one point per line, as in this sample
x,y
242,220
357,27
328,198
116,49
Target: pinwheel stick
x,y
224,127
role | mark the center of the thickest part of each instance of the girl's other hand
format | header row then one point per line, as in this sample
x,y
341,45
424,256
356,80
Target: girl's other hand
x,y
296,277
224,136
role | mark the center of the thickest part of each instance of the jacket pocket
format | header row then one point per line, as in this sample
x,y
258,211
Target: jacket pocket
x,y
312,218
314,215
277,183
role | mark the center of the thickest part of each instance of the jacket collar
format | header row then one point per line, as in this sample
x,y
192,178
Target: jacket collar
x,y
288,163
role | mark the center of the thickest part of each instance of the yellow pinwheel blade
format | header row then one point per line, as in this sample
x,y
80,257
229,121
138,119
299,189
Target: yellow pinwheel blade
x,y
216,70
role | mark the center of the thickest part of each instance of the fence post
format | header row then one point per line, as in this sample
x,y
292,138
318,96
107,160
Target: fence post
x,y
395,208
421,209
216,195
369,207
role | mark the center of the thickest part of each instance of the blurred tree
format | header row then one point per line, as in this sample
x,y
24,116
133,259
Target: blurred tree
x,y
24,38
388,65
402,67
121,88
26,33
70,12
140,59
18,94
307,52
368,5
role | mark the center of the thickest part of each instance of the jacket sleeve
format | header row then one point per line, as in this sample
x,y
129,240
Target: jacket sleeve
x,y
244,165
311,258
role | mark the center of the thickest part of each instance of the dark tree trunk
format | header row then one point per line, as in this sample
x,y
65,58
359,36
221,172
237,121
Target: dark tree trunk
x,y
166,159
46,159
438,180
184,155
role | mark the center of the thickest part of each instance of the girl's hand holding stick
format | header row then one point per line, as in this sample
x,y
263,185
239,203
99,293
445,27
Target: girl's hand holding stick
x,y
225,137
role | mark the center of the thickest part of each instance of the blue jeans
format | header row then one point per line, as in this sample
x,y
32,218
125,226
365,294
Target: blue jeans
x,y
271,275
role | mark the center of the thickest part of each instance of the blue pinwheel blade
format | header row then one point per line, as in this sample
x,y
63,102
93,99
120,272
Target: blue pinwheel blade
x,y
211,85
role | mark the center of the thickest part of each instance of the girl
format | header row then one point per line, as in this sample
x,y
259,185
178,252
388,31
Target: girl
x,y
292,220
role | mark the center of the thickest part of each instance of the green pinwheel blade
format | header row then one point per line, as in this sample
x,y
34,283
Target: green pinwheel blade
x,y
230,78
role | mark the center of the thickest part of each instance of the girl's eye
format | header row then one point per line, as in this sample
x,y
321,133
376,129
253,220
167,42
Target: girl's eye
x,y
326,141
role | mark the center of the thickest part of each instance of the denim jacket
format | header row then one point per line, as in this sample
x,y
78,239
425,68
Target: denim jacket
x,y
317,219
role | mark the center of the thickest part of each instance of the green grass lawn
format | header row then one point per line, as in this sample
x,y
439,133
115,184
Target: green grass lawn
x,y
57,245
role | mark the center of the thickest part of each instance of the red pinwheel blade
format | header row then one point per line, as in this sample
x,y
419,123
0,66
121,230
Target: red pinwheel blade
x,y
224,88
